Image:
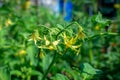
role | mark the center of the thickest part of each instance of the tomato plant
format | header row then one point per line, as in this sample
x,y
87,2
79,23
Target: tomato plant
x,y
36,45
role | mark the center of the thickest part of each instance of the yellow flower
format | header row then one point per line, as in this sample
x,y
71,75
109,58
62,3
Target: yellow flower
x,y
8,23
35,37
117,6
47,42
41,55
81,34
97,27
75,47
55,43
49,45
69,43
26,5
21,53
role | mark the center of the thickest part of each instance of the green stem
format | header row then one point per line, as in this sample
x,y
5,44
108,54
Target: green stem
x,y
66,28
103,34
51,64
90,51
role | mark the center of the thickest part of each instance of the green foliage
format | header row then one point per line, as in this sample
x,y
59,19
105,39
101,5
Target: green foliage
x,y
60,77
4,75
102,22
44,47
88,71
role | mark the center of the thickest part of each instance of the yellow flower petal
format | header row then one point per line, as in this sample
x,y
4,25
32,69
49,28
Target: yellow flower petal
x,y
69,42
41,55
74,47
47,42
8,22
81,35
97,27
22,52
35,37
51,48
55,43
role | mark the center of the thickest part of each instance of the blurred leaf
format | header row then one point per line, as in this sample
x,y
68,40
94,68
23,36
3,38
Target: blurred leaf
x,y
31,51
4,75
46,62
100,20
4,10
35,72
60,77
74,74
60,26
16,72
87,68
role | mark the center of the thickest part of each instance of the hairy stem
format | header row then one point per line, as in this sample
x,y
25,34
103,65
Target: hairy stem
x,y
103,34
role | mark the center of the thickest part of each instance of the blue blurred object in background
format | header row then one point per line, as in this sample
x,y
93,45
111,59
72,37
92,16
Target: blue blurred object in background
x,y
61,6
68,10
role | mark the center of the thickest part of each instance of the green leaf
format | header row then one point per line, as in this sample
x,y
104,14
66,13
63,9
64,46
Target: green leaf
x,y
46,62
16,72
4,75
60,77
34,72
31,51
87,68
60,26
74,74
101,21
